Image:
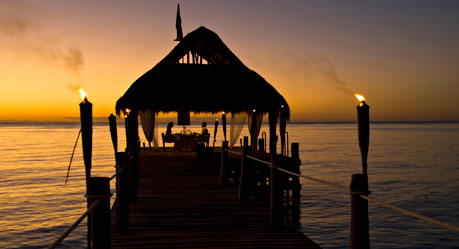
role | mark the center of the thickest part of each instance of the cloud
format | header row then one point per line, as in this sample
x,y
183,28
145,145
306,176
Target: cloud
x,y
21,34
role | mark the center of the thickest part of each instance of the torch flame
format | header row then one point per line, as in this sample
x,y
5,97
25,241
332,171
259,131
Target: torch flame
x,y
359,97
83,94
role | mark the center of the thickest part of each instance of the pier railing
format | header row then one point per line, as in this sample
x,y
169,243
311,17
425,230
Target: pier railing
x,y
269,177
73,226
99,210
284,186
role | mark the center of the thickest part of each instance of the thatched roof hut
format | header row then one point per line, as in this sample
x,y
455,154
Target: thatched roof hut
x,y
182,81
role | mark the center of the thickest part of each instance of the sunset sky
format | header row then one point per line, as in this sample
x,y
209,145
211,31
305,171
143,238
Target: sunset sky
x,y
403,56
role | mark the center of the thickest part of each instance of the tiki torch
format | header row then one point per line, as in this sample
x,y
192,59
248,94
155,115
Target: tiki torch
x,y
252,128
282,129
363,122
126,124
86,138
224,125
113,131
215,131
86,132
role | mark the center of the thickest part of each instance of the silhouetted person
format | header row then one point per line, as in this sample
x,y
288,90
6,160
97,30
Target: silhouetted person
x,y
169,128
204,131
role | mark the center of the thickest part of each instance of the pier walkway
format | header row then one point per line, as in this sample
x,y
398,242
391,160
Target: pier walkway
x,y
181,204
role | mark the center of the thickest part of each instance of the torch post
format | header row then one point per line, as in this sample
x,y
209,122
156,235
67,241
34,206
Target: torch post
x,y
282,129
363,120
224,125
113,132
360,236
215,132
253,125
86,138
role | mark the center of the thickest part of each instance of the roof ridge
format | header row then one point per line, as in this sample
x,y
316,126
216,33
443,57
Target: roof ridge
x,y
205,43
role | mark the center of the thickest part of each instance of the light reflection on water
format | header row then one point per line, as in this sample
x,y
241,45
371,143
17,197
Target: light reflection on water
x,y
415,166
33,165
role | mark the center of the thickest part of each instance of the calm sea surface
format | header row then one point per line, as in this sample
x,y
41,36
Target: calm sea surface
x,y
411,165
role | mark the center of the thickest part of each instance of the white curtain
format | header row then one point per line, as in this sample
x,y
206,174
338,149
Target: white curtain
x,y
258,120
237,123
147,118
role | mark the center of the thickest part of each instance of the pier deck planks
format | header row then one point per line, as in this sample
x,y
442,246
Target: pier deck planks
x,y
181,204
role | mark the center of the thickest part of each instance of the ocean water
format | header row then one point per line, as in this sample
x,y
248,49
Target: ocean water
x,y
411,165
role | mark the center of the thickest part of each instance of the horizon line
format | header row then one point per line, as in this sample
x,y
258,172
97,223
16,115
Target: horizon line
x,y
99,120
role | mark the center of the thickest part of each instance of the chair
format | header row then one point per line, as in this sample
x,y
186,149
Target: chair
x,y
167,139
204,139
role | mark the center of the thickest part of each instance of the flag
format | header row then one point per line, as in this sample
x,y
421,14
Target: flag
x,y
178,25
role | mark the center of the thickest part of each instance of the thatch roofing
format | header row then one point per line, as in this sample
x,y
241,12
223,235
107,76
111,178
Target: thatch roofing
x,y
225,84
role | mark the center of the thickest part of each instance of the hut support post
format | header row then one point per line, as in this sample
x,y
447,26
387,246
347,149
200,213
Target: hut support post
x,y
122,193
272,132
275,210
132,133
244,178
360,237
100,218
224,163
133,148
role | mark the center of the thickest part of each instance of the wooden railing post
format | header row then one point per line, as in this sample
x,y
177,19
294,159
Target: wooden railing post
x,y
360,236
272,131
134,175
122,193
100,216
296,185
244,178
261,145
224,163
275,210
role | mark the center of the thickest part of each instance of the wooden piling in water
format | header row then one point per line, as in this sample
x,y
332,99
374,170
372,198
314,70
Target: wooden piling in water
x,y
360,237
100,216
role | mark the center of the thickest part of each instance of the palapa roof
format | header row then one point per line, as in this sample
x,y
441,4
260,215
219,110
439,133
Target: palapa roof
x,y
224,84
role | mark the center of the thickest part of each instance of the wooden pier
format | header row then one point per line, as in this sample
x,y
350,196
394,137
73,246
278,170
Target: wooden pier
x,y
181,204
